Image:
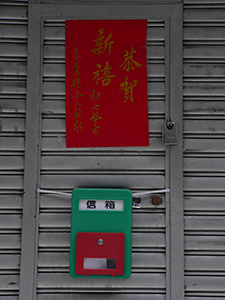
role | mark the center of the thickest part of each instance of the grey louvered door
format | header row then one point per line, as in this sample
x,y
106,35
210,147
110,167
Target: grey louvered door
x,y
154,235
204,133
13,60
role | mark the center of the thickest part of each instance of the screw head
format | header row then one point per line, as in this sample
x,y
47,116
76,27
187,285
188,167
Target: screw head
x,y
100,242
156,200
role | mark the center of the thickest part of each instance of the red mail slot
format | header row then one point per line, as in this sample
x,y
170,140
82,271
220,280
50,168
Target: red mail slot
x,y
100,253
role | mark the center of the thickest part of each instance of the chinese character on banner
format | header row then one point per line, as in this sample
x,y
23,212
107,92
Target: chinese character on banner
x,y
106,83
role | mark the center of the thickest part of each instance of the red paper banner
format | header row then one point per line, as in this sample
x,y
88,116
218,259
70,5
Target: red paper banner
x,y
106,83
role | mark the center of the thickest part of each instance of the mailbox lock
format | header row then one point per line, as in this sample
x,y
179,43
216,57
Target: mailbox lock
x,y
100,242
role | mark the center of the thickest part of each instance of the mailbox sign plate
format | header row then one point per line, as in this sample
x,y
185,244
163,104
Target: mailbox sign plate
x,y
101,205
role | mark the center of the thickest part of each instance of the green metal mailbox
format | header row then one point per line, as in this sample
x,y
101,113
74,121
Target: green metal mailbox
x,y
101,223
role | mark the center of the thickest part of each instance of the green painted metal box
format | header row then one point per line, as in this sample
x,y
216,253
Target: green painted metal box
x,y
101,225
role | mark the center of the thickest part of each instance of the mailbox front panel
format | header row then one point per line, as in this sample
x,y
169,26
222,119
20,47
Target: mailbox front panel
x,y
101,216
100,253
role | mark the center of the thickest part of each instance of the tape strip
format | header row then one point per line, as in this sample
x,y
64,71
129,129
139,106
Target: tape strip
x,y
134,194
151,192
53,192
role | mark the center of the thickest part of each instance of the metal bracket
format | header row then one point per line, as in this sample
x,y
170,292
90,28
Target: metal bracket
x,y
169,133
